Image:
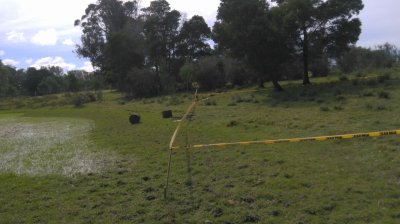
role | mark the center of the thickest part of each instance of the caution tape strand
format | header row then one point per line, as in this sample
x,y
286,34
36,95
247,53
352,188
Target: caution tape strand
x,y
297,140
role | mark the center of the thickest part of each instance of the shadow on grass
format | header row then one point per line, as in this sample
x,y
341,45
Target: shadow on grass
x,y
335,91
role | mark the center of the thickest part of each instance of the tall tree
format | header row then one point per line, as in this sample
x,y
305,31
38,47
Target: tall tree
x,y
8,81
249,30
161,29
322,26
193,39
112,38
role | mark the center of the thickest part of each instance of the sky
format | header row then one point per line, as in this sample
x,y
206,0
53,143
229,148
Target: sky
x,y
35,33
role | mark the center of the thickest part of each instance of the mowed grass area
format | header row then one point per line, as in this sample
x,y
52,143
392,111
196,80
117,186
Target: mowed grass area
x,y
342,181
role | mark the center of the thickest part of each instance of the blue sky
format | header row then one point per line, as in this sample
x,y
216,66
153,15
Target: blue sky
x,y
41,32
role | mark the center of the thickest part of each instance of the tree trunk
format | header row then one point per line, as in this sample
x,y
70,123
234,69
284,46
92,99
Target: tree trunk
x,y
277,86
306,78
261,83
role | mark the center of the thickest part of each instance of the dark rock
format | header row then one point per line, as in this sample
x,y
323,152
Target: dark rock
x,y
167,114
134,119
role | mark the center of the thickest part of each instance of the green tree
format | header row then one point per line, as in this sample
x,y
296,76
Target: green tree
x,y
33,78
321,26
161,29
209,73
112,38
186,75
250,30
359,58
8,81
49,85
193,39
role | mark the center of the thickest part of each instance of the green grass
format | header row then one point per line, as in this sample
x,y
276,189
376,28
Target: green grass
x,y
349,181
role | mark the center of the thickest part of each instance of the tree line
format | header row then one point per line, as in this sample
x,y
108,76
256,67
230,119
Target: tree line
x,y
143,51
46,80
157,50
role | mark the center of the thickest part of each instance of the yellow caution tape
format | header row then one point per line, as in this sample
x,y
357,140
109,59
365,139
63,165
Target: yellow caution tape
x,y
296,140
188,111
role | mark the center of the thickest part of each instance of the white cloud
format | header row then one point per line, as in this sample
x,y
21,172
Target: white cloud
x,y
2,52
16,37
53,61
45,38
29,61
68,42
88,67
29,14
10,62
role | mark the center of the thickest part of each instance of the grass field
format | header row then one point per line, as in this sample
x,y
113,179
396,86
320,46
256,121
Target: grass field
x,y
61,164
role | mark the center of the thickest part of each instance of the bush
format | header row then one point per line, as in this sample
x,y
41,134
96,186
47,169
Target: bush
x,y
141,83
381,107
237,73
99,96
209,73
90,97
338,108
384,95
174,100
325,109
186,75
210,102
343,78
368,94
383,78
232,124
77,101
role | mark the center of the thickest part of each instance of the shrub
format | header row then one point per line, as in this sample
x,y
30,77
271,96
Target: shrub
x,y
209,73
369,106
232,124
371,82
325,109
186,75
99,96
174,100
90,97
77,101
384,95
381,107
210,102
121,102
338,108
340,98
385,77
368,94
237,73
343,78
141,83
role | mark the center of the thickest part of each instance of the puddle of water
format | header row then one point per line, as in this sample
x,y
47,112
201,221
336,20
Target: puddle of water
x,y
39,146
